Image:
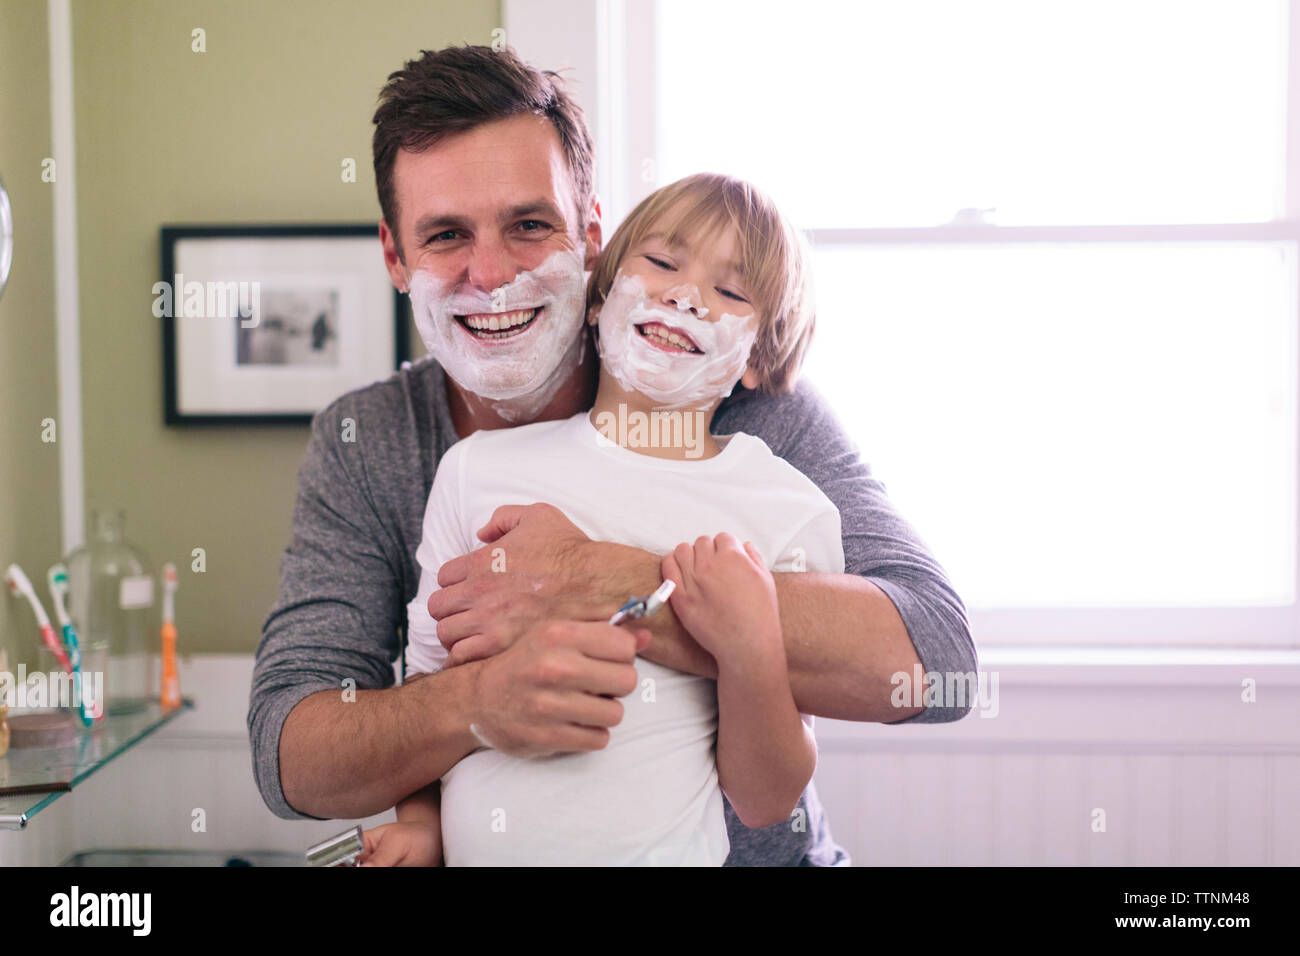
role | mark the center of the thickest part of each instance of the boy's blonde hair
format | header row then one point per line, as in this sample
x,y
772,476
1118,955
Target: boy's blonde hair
x,y
775,262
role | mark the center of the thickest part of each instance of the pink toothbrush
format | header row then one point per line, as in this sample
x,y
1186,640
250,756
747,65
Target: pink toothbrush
x,y
19,584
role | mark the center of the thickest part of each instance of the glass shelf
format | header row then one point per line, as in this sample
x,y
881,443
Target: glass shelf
x,y
69,764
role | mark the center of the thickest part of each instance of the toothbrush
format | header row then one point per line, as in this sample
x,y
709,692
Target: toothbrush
x,y
58,578
171,685
19,584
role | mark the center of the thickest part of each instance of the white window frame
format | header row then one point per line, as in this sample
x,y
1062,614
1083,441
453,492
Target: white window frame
x,y
613,41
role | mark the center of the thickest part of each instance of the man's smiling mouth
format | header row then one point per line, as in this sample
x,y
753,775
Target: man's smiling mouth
x,y
490,326
668,339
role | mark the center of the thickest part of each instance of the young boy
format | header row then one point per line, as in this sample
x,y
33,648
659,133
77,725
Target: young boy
x,y
705,284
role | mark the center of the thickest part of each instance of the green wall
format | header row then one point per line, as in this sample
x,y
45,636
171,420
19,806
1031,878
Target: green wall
x,y
252,130
29,468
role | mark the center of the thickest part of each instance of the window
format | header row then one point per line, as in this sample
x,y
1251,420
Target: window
x,y
1072,112
1057,259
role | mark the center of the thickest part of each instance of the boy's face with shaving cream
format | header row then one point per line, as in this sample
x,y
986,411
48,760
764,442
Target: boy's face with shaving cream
x,y
678,323
493,257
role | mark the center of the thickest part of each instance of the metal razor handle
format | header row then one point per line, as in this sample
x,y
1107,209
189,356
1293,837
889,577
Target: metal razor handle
x,y
341,850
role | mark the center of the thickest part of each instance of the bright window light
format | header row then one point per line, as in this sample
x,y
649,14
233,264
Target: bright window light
x,y
1068,424
1088,425
871,114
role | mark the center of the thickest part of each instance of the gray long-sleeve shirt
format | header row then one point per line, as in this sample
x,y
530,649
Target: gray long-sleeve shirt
x,y
350,569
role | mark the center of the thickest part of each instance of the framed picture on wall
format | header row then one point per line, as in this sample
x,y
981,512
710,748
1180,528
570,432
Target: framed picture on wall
x,y
269,324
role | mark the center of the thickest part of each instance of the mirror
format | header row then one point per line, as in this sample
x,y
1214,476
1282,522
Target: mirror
x,y
6,237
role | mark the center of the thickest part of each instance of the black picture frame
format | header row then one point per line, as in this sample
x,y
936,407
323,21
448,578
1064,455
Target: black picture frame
x,y
171,236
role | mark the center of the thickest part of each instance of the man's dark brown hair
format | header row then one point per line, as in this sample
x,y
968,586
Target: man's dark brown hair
x,y
458,88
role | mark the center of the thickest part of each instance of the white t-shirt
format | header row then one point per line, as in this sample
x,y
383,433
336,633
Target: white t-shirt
x,y
651,796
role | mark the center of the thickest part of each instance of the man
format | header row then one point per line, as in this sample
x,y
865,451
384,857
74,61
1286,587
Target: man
x,y
483,167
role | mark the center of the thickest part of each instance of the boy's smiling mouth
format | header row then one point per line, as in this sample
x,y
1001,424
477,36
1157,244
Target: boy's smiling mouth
x,y
668,339
491,326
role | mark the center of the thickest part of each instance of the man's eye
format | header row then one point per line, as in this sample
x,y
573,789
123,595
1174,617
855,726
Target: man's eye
x,y
533,225
445,236
731,295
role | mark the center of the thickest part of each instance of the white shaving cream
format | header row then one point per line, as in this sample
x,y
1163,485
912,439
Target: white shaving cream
x,y
684,296
673,380
529,366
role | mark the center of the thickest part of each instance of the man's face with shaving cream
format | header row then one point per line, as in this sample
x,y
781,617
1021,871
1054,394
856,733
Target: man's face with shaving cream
x,y
494,253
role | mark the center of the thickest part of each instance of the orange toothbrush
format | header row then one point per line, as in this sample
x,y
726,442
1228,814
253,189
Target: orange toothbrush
x,y
171,683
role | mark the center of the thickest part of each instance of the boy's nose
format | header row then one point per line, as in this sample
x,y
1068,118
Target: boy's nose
x,y
687,298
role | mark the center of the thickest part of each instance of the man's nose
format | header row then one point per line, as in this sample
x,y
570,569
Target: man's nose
x,y
687,298
491,266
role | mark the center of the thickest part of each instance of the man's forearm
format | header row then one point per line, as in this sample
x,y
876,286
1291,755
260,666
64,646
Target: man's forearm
x,y
844,642
844,639
350,759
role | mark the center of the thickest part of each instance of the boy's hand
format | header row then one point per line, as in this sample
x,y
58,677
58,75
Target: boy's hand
x,y
724,596
402,844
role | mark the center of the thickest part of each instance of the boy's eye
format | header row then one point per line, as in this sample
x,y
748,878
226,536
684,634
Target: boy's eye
x,y
659,262
731,295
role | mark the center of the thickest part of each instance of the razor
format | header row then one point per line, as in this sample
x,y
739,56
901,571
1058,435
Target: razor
x,y
643,607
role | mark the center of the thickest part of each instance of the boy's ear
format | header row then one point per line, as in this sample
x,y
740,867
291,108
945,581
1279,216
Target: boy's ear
x,y
750,378
593,314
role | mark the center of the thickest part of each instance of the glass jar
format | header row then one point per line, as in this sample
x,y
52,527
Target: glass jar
x,y
111,601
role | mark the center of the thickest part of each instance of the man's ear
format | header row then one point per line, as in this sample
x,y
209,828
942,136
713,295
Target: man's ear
x,y
750,378
392,261
593,236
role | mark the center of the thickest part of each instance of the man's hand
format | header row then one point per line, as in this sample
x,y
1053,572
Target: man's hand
x,y
530,571
725,597
553,689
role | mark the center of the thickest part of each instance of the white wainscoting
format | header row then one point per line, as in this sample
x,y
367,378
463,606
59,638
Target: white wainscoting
x,y
1186,772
